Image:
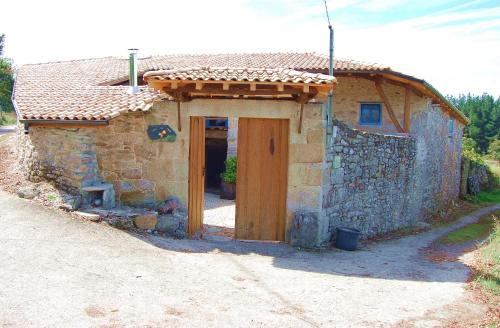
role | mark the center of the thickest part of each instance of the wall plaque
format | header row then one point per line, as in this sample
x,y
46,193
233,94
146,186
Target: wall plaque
x,y
161,133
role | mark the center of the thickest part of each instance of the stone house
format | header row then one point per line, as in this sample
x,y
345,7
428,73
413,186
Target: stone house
x,y
385,157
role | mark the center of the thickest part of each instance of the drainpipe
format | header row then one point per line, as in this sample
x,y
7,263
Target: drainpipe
x,y
133,88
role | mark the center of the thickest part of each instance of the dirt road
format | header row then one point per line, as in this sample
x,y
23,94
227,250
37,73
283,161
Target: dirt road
x,y
57,271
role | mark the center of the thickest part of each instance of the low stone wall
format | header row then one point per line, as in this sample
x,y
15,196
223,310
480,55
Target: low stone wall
x,y
370,184
65,156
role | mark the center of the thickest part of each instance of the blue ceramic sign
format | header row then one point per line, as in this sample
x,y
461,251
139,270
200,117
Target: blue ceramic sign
x,y
161,133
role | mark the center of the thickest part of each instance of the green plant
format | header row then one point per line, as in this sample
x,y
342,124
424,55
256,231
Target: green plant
x,y
51,198
229,174
469,150
487,269
494,150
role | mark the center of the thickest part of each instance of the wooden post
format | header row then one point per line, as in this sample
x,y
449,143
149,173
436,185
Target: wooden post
x,y
300,117
179,116
393,117
407,122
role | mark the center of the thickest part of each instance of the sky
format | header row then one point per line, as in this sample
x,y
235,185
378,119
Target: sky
x,y
454,45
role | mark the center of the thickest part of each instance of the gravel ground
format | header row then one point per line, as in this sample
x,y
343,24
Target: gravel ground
x,y
61,272
219,212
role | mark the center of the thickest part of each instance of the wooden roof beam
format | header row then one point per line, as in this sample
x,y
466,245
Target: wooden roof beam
x,y
388,107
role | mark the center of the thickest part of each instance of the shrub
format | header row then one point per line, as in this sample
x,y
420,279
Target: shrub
x,y
494,150
469,150
229,174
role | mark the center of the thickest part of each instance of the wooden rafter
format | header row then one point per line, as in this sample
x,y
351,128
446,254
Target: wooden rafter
x,y
388,107
188,91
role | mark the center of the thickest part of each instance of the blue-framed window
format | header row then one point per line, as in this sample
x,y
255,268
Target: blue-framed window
x,y
216,123
451,127
370,114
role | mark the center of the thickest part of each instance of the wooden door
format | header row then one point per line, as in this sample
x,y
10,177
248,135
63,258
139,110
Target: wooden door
x,y
261,181
196,198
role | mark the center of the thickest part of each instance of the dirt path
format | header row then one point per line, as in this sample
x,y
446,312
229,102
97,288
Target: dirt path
x,y
60,272
4,129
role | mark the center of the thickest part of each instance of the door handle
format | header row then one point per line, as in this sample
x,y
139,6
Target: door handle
x,y
271,146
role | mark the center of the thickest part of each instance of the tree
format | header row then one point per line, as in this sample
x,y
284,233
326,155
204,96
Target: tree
x,y
484,114
2,42
6,79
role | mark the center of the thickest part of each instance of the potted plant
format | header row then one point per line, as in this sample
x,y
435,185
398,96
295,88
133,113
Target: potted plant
x,y
228,183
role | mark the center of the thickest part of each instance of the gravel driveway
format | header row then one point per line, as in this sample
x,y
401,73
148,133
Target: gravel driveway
x,y
62,272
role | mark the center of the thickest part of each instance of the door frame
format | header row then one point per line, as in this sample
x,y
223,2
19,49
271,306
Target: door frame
x,y
196,174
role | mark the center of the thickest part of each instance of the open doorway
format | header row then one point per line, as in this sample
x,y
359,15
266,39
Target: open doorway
x,y
219,213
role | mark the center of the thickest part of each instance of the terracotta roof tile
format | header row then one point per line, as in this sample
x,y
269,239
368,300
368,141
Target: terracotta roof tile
x,y
242,74
84,89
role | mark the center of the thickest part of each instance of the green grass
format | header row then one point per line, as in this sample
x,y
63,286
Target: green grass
x,y
487,274
470,232
51,198
495,169
8,118
489,196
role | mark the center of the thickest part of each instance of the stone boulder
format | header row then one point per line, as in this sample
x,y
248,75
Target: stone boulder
x,y
170,205
146,220
174,225
28,192
305,230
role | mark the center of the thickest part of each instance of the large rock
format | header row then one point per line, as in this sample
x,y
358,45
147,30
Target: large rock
x,y
174,225
305,230
88,216
28,192
146,221
171,205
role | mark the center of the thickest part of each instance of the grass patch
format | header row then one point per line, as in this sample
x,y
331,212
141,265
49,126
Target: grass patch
x,y
51,198
8,118
488,196
487,273
494,167
474,231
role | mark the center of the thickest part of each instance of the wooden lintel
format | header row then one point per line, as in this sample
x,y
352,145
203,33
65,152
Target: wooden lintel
x,y
280,87
388,106
407,110
225,86
253,87
199,85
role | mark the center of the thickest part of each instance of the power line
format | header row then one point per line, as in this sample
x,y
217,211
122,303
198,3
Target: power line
x,y
327,15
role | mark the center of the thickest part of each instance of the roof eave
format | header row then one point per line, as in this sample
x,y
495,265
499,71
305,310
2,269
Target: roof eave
x,y
425,84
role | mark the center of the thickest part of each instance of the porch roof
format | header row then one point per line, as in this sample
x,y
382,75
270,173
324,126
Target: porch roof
x,y
278,83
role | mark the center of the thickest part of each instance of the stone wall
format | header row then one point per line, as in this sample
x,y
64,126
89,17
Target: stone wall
x,y
144,172
65,156
370,185
438,159
378,183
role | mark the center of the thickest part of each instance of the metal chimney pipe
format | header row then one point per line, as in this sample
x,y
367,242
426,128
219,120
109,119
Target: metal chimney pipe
x,y
133,88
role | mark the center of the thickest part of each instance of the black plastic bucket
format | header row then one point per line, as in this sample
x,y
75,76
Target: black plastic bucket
x,y
347,238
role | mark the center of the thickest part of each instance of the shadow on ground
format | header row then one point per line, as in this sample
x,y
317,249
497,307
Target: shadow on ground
x,y
406,258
